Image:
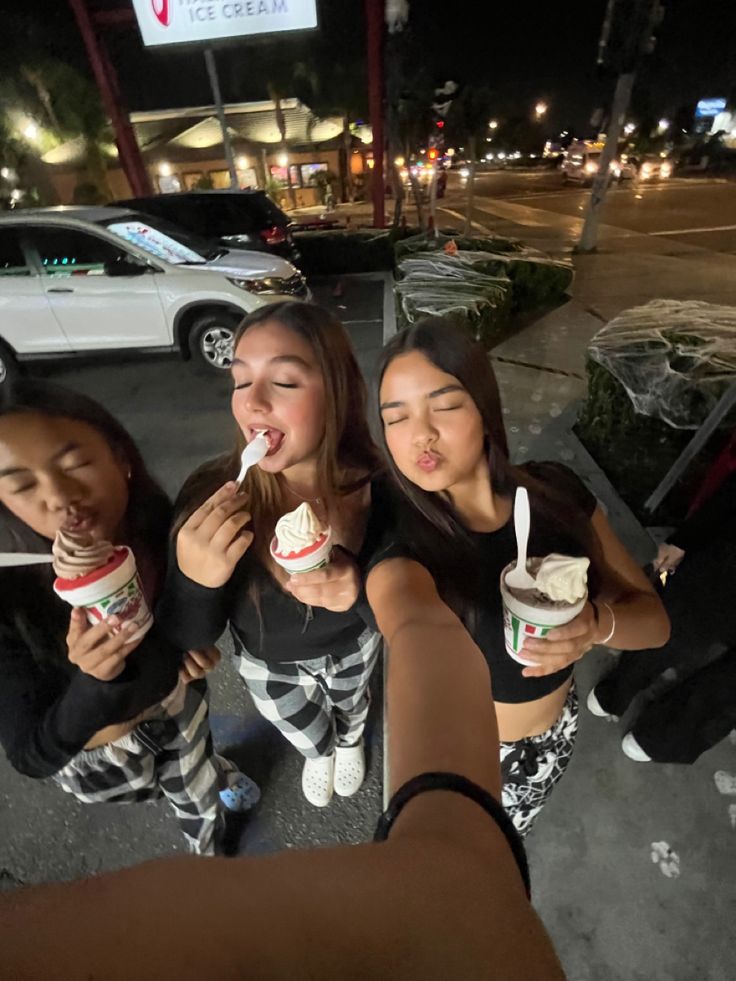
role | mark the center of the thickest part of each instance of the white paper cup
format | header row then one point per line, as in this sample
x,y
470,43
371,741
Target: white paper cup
x,y
521,620
112,590
308,559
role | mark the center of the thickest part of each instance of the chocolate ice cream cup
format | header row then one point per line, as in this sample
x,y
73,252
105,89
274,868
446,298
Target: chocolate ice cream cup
x,y
522,620
112,590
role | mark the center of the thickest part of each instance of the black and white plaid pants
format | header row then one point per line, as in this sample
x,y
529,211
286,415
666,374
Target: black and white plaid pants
x,y
316,704
170,755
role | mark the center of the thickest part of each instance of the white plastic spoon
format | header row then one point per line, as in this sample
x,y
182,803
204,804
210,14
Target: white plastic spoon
x,y
519,578
252,454
10,559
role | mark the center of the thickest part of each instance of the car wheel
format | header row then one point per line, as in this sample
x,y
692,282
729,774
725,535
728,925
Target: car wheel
x,y
211,340
8,365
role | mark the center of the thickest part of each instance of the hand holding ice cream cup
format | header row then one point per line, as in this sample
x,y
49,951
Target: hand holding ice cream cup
x,y
102,579
559,596
321,574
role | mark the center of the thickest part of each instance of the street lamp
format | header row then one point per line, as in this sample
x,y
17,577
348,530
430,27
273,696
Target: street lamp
x,y
493,124
242,163
663,125
30,131
283,160
629,128
540,109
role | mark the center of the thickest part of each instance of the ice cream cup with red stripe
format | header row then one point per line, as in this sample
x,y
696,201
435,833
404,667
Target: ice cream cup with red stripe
x,y
307,559
112,590
522,620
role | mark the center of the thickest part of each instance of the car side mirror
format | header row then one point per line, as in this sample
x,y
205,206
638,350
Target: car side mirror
x,y
125,266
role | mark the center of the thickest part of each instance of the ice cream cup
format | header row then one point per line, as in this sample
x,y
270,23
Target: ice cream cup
x,y
314,556
112,590
522,620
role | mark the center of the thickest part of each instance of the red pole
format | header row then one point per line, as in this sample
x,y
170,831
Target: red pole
x,y
374,10
107,83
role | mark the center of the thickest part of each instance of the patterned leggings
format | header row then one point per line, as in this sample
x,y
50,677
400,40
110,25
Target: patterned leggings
x,y
168,755
531,767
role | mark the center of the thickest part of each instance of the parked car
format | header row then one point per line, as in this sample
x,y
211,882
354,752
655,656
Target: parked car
x,y
78,280
240,219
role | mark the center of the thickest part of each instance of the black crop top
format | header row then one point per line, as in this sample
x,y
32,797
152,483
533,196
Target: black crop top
x,y
495,550
278,628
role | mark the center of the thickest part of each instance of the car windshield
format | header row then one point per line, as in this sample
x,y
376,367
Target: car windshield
x,y
164,240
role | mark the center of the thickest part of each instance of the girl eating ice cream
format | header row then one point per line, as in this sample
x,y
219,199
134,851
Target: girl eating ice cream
x,y
279,559
109,711
444,438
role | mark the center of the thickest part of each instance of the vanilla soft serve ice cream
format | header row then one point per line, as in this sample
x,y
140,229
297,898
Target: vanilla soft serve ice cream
x,y
300,541
563,579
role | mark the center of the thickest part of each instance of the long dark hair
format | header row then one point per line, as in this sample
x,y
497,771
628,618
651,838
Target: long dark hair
x,y
348,457
439,538
28,604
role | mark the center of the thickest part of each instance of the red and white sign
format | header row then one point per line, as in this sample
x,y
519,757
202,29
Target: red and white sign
x,y
187,21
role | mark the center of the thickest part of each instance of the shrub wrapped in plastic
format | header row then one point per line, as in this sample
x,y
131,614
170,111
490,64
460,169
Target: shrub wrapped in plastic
x,y
536,279
469,285
675,359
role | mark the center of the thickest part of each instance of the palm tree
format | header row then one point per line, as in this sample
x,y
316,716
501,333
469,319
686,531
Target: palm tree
x,y
468,125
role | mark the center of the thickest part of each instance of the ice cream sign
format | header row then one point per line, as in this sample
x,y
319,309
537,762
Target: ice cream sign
x,y
187,21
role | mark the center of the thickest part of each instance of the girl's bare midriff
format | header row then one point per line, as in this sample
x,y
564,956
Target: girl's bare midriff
x,y
517,721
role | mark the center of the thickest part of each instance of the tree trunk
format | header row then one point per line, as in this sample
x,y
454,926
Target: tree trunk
x,y
468,230
347,152
281,123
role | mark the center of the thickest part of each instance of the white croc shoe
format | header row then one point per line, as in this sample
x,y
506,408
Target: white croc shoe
x,y
349,769
318,780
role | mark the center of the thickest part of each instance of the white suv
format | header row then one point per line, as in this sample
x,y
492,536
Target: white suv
x,y
79,280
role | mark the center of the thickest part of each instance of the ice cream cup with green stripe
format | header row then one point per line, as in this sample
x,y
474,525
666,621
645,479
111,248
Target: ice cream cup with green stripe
x,y
523,619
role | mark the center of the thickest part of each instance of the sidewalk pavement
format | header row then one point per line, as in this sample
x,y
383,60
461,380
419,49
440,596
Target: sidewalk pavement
x,y
614,911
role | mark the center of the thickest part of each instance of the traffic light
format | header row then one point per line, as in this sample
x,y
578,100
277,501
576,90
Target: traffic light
x,y
432,154
440,124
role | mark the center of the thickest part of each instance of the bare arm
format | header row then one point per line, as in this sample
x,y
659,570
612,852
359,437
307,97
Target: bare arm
x,y
426,691
442,898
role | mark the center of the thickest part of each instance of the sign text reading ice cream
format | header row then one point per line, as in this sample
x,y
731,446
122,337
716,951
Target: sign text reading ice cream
x,y
182,21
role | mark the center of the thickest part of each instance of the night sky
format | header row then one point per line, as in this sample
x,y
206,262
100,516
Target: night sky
x,y
522,49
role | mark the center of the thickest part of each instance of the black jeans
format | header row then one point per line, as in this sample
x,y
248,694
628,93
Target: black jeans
x,y
697,708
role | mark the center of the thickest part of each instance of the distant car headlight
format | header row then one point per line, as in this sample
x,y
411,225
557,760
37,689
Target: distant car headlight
x,y
665,170
646,171
464,172
272,284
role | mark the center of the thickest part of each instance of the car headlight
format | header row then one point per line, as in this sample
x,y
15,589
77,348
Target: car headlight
x,y
590,167
646,171
271,284
665,170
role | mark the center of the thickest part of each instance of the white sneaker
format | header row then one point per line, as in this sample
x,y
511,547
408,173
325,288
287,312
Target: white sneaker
x,y
633,750
318,780
349,769
595,707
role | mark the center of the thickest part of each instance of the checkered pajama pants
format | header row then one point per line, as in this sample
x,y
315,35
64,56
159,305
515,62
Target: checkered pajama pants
x,y
168,755
317,704
531,767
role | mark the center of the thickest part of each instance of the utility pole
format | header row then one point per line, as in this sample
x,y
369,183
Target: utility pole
x,y
628,35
